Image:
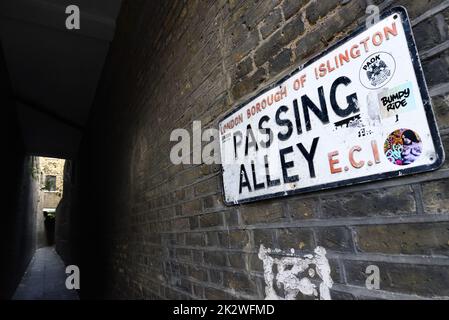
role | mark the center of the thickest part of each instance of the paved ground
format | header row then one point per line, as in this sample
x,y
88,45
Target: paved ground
x,y
45,278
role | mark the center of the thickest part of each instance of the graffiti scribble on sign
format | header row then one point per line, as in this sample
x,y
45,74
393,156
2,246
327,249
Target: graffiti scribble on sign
x,y
309,275
353,122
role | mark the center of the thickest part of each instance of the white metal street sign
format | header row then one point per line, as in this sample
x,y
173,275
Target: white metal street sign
x,y
359,112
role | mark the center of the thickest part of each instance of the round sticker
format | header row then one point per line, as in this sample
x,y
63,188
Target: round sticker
x,y
403,147
377,70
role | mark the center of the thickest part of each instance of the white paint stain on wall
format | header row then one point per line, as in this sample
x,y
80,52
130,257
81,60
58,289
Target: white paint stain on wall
x,y
308,275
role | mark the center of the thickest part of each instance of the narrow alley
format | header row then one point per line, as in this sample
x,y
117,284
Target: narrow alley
x,y
45,278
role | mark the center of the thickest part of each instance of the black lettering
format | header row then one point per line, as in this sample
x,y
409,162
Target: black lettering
x,y
237,143
351,99
244,176
267,131
297,117
257,186
310,155
321,114
270,183
287,165
253,143
282,122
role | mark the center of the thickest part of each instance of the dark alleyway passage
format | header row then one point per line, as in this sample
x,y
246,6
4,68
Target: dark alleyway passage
x,y
45,278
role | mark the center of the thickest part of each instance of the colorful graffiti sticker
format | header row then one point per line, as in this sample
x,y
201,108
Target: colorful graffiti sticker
x,y
403,147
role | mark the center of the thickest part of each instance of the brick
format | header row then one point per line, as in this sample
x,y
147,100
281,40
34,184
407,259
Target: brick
x,y
441,109
239,239
437,69
239,282
271,23
178,211
195,239
318,9
197,273
211,220
183,254
215,258
281,38
251,15
303,209
436,196
179,195
324,32
263,236
416,8
428,281
197,257
181,224
424,239
242,41
216,276
308,45
213,202
192,207
427,34
217,239
266,213
180,239
236,260
292,30
198,291
255,263
337,239
194,224
291,7
207,186
336,272
167,213
231,218
381,202
298,239
338,295
249,83
214,294
244,67
280,62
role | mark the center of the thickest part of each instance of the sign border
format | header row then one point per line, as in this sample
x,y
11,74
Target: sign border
x,y
427,104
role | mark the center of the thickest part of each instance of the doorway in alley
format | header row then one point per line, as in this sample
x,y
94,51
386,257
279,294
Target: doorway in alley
x,y
50,192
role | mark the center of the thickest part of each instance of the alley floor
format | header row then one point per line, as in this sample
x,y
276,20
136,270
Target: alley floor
x,y
45,278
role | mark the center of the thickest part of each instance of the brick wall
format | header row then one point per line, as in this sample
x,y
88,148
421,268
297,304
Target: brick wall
x,y
165,232
63,223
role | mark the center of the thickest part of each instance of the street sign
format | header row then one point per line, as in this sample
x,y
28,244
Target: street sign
x,y
358,112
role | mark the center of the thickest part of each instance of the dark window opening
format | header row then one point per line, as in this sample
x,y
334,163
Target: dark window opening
x,y
50,183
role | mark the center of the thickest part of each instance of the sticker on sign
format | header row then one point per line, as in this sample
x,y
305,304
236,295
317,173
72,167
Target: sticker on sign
x,y
358,112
